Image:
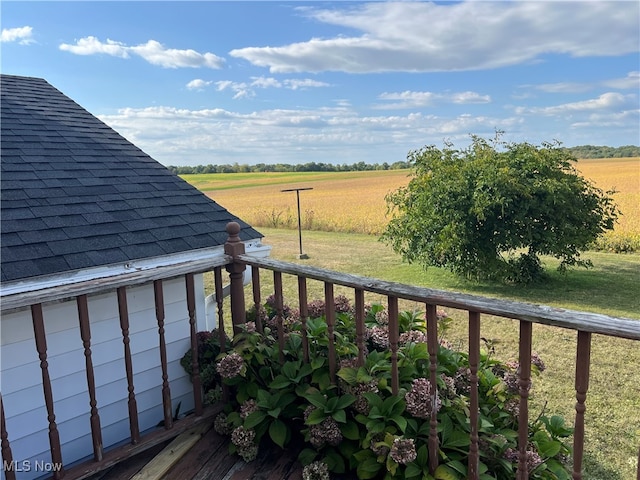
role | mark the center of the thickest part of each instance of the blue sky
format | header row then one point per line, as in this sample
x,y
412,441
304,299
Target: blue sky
x,y
336,82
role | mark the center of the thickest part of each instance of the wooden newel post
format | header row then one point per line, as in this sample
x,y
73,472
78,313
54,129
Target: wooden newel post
x,y
234,247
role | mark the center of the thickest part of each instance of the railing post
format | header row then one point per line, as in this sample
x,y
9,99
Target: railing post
x,y
583,360
7,456
234,247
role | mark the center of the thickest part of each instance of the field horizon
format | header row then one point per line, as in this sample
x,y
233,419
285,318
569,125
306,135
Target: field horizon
x,y
258,199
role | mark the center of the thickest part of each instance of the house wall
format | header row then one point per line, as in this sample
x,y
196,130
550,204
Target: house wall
x,y
21,380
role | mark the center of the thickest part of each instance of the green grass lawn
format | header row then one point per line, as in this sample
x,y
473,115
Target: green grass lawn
x,y
611,287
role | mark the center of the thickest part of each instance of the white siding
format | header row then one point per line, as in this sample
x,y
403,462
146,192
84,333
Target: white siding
x,y
21,380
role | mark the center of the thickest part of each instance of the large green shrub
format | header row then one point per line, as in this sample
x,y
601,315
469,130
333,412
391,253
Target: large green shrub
x,y
356,424
490,210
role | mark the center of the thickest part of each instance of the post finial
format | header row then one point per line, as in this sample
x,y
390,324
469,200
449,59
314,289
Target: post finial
x,y
233,229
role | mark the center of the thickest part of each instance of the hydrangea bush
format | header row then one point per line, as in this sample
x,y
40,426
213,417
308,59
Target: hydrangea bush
x,y
355,424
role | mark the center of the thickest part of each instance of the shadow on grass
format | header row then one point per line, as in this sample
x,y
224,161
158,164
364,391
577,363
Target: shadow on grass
x,y
591,469
609,288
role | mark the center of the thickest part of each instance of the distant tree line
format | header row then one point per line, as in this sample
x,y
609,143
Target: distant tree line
x,y
597,151
584,151
285,167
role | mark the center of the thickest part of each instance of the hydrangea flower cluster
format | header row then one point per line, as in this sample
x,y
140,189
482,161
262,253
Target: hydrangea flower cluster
x,y
221,425
378,446
412,336
379,336
449,389
361,405
315,308
244,440
403,450
231,365
324,433
342,304
538,362
421,400
533,458
382,317
316,471
248,407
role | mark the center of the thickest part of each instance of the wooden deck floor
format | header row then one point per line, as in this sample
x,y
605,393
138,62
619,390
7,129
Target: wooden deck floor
x,y
209,459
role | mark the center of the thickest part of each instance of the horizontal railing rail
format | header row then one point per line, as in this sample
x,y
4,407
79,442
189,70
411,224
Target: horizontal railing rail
x,y
12,302
557,317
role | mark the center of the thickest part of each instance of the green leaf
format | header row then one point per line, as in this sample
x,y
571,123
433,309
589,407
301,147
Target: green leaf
x,y
549,449
275,412
290,369
412,470
400,421
306,456
317,400
443,472
254,418
350,430
315,417
457,438
339,416
278,432
280,382
458,467
345,400
348,374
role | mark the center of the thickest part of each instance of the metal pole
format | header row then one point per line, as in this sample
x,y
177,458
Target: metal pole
x,y
299,222
297,190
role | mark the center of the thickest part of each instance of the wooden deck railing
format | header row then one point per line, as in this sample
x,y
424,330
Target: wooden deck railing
x,y
80,292
583,323
235,262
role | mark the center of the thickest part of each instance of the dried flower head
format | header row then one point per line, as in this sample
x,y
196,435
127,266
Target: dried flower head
x,y
378,446
242,437
379,336
249,453
538,362
382,317
449,389
342,303
533,459
462,380
422,399
248,407
231,365
403,450
315,308
326,432
221,425
316,471
412,336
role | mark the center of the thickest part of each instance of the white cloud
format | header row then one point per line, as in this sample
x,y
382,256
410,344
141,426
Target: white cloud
x,y
265,82
605,102
153,52
295,84
631,81
563,87
618,120
240,89
330,134
423,36
410,99
22,35
198,84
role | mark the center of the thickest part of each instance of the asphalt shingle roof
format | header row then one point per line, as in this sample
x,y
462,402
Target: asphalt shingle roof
x,y
76,194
